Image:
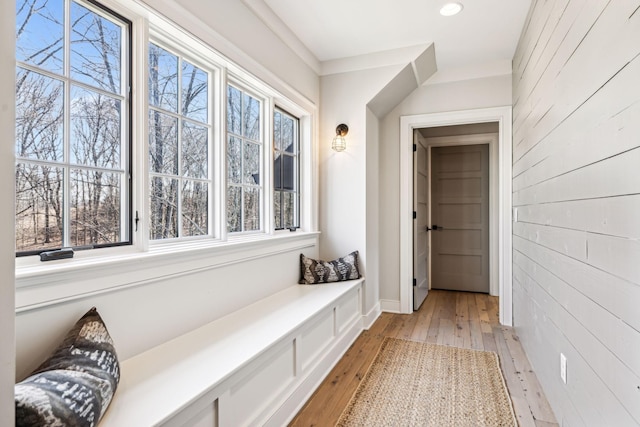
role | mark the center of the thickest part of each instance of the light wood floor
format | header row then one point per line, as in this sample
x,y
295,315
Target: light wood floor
x,y
449,318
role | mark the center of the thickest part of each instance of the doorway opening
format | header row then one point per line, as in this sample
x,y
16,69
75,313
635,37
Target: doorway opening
x,y
500,157
454,187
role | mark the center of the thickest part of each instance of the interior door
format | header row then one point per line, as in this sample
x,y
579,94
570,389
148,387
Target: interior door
x,y
460,218
420,237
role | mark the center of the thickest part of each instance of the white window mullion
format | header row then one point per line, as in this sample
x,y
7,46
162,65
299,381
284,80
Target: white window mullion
x,y
140,135
180,176
217,158
243,145
127,204
242,185
66,184
268,146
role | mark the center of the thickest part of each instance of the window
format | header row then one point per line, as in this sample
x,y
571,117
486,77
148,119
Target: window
x,y
286,204
179,135
244,160
184,160
72,146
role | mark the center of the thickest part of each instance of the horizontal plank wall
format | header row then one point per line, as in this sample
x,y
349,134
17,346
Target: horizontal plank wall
x,y
576,189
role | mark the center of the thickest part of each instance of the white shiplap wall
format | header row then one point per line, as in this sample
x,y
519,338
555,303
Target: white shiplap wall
x,y
576,184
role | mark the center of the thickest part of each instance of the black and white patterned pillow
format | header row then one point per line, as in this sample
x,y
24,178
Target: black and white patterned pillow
x,y
74,386
317,271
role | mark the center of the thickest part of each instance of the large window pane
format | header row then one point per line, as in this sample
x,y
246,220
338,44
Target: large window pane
x,y
289,210
95,129
251,117
95,49
234,209
39,192
40,33
163,143
39,116
234,160
251,209
164,208
195,101
195,208
234,110
251,163
277,209
277,169
163,79
288,138
289,173
95,207
277,134
194,150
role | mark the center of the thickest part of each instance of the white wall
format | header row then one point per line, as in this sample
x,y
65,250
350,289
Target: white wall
x,y
576,281
343,176
146,315
454,96
251,43
7,135
372,214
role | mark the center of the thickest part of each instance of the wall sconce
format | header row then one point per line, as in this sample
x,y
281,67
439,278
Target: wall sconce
x,y
339,143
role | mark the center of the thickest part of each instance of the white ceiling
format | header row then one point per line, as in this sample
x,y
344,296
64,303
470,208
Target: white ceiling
x,y
486,30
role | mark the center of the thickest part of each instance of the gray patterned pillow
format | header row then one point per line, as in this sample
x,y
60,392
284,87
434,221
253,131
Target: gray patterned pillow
x,y
317,271
74,386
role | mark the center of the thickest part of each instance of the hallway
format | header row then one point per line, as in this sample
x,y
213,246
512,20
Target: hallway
x,y
459,319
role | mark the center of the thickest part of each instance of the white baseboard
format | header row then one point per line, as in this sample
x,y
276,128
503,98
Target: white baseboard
x,y
390,306
369,318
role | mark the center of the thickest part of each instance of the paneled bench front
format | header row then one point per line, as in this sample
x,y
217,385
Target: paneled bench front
x,y
256,366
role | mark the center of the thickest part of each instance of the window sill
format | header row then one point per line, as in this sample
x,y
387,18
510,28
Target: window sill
x,y
44,284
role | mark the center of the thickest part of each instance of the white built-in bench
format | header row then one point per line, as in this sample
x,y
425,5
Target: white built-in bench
x,y
256,366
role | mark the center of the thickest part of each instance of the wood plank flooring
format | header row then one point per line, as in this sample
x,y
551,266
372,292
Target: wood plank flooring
x,y
449,318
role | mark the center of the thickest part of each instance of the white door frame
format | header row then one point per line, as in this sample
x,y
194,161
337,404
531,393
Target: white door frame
x,y
408,124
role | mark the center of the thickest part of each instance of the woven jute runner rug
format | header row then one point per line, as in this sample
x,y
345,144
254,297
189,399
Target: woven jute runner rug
x,y
419,384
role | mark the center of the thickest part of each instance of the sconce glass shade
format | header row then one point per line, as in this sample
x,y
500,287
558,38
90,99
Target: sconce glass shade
x,y
339,142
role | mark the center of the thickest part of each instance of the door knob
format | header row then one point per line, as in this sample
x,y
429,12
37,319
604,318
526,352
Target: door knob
x,y
436,227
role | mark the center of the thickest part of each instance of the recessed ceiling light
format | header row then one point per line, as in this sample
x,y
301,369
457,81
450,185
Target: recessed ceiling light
x,y
450,9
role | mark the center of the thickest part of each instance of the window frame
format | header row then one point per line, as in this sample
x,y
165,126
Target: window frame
x,y
196,59
264,170
297,175
126,168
